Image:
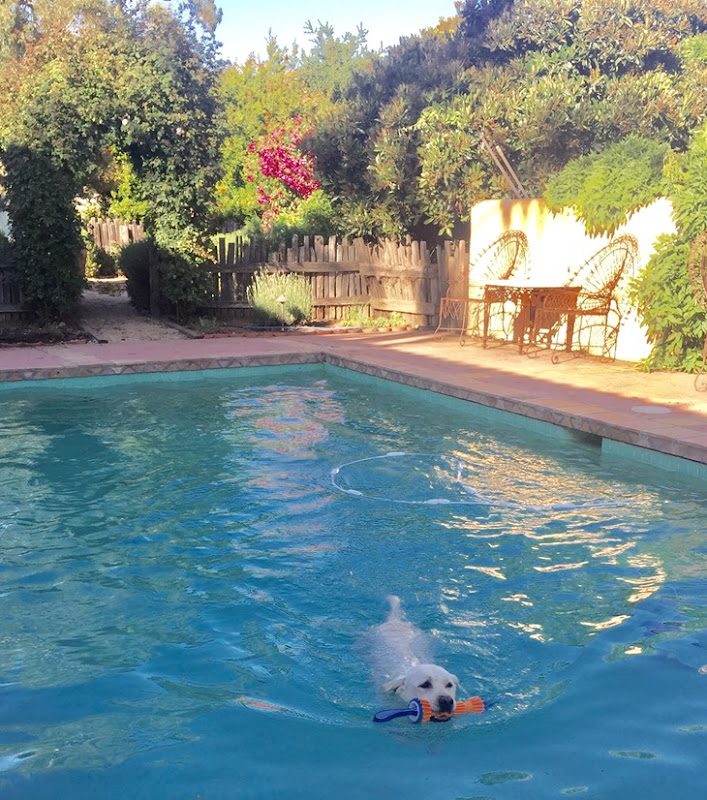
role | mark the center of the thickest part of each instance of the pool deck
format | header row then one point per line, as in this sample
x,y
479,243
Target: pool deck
x,y
660,412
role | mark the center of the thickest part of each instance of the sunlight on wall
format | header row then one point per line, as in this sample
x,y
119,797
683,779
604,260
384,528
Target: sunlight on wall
x,y
558,245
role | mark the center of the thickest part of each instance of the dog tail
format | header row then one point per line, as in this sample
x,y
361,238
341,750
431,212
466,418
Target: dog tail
x,y
395,607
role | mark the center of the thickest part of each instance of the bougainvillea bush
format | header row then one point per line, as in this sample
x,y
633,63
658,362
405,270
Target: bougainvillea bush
x,y
282,172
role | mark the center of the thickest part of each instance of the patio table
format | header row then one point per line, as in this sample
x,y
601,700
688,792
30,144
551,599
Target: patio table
x,y
539,305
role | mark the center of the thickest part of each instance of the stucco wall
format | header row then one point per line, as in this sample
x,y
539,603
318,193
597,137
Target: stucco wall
x,y
558,245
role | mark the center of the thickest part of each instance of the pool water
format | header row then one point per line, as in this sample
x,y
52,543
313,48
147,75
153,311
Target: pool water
x,y
190,564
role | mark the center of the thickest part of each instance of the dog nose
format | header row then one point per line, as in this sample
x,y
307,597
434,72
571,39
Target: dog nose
x,y
445,703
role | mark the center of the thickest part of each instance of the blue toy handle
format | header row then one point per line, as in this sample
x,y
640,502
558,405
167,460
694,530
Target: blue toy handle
x,y
413,710
394,713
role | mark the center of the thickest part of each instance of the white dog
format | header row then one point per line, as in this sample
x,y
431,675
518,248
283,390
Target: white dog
x,y
401,653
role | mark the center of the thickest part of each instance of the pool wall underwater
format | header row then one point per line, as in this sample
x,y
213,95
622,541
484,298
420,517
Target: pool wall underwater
x,y
615,441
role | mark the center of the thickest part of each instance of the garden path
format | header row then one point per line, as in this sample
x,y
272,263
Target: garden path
x,y
112,318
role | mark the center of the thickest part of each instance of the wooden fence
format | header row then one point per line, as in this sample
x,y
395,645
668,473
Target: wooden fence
x,y
10,298
408,278
10,295
109,233
387,277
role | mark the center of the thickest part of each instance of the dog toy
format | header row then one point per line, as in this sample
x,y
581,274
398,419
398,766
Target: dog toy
x,y
421,711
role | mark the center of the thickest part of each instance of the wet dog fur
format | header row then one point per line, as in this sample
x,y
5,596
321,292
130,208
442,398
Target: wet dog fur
x,y
402,658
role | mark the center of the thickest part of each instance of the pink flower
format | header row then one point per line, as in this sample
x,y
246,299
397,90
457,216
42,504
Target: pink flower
x,y
281,163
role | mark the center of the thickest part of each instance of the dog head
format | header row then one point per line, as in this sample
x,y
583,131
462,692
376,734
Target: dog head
x,y
427,682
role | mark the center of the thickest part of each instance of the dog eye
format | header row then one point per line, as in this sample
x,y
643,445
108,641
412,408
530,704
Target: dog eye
x,y
426,685
450,685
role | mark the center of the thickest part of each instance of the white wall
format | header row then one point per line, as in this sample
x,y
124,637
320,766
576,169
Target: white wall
x,y
558,245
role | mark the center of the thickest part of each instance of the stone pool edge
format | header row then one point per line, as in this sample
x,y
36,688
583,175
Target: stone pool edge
x,y
617,440
149,367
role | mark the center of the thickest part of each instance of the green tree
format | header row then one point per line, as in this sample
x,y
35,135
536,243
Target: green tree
x,y
545,80
56,98
258,97
170,125
676,325
45,230
367,147
331,61
287,90
86,80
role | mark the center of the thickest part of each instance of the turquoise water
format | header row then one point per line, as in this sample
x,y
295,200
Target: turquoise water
x,y
188,567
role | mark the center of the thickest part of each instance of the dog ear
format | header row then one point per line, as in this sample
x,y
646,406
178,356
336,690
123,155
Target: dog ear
x,y
455,681
394,685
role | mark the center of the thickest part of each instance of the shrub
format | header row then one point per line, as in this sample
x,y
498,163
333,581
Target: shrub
x,y
693,51
606,187
313,217
675,323
206,324
47,243
133,261
100,263
267,287
395,319
184,284
358,317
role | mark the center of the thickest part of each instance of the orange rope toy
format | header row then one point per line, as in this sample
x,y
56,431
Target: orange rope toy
x,y
421,711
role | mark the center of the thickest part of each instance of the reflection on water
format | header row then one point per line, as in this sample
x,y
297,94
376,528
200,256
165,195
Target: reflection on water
x,y
520,518
174,550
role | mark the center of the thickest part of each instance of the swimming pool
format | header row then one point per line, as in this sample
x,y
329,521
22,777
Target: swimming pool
x,y
189,563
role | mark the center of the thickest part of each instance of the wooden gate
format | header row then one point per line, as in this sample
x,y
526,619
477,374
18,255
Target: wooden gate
x,y
109,233
10,294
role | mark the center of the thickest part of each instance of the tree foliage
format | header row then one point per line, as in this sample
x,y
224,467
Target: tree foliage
x,y
170,127
546,80
282,97
606,188
258,96
367,148
676,324
90,81
45,231
330,61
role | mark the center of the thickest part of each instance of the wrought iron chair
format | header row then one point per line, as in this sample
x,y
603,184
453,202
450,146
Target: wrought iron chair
x,y
552,320
697,270
459,309
592,323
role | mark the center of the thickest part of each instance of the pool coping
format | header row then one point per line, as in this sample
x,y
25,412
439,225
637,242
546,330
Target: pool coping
x,y
415,360
667,449
152,367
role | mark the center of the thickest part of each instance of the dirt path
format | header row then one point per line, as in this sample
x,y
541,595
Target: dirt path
x,y
112,318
